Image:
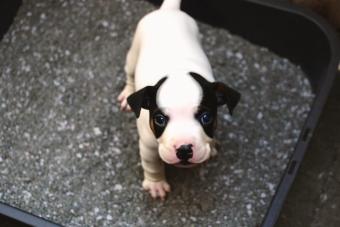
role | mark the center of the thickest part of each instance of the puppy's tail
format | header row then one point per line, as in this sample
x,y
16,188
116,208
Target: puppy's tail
x,y
171,4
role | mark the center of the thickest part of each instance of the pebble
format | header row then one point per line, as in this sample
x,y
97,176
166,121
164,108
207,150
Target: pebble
x,y
105,23
323,197
97,131
239,55
259,116
118,187
249,209
193,219
98,218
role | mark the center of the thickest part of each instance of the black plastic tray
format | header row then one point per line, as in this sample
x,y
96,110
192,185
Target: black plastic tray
x,y
14,217
291,32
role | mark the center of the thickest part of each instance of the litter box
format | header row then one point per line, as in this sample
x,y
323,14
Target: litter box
x,y
297,34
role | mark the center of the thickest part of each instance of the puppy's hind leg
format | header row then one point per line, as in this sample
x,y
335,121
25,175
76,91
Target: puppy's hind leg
x,y
130,66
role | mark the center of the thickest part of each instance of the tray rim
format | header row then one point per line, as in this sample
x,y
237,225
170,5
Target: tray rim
x,y
26,218
314,114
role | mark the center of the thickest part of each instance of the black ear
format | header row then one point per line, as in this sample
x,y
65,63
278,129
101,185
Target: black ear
x,y
226,95
144,98
223,93
140,99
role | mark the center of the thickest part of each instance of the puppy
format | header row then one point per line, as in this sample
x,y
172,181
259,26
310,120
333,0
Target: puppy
x,y
171,89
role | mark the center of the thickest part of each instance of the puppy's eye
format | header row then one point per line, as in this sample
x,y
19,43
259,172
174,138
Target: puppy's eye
x,y
160,120
205,118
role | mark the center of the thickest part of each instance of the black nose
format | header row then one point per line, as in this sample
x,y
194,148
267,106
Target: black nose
x,y
184,152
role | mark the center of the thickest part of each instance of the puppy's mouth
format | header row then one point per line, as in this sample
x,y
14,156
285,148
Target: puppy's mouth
x,y
185,164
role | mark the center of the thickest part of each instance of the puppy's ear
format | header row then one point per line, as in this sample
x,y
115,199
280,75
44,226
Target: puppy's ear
x,y
226,95
144,98
223,93
140,99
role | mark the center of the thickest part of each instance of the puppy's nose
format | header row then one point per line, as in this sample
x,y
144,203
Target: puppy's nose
x,y
184,152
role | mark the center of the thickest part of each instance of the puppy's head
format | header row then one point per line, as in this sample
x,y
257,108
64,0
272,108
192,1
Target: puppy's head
x,y
183,115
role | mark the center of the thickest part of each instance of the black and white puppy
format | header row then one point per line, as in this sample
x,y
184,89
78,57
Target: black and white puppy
x,y
171,89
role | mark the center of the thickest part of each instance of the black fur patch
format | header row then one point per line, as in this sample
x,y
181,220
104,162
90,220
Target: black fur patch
x,y
156,128
146,98
214,94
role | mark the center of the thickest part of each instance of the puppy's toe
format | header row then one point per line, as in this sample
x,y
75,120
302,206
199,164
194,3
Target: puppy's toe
x,y
214,146
124,106
213,152
156,189
122,98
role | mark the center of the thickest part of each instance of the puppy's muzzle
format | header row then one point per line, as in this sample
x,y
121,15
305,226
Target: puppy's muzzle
x,y
184,153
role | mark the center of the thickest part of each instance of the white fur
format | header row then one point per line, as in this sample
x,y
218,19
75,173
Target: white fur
x,y
171,4
169,42
166,43
179,91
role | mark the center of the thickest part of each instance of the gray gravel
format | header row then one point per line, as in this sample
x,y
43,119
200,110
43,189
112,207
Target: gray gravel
x,y
69,155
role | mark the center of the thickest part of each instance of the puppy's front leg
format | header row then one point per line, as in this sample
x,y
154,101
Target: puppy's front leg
x,y
154,176
130,66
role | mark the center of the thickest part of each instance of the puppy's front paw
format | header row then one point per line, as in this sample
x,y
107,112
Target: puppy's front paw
x,y
213,152
214,147
122,98
156,188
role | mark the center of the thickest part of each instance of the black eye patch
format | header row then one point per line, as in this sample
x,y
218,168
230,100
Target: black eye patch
x,y
146,98
207,118
218,93
158,122
214,94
